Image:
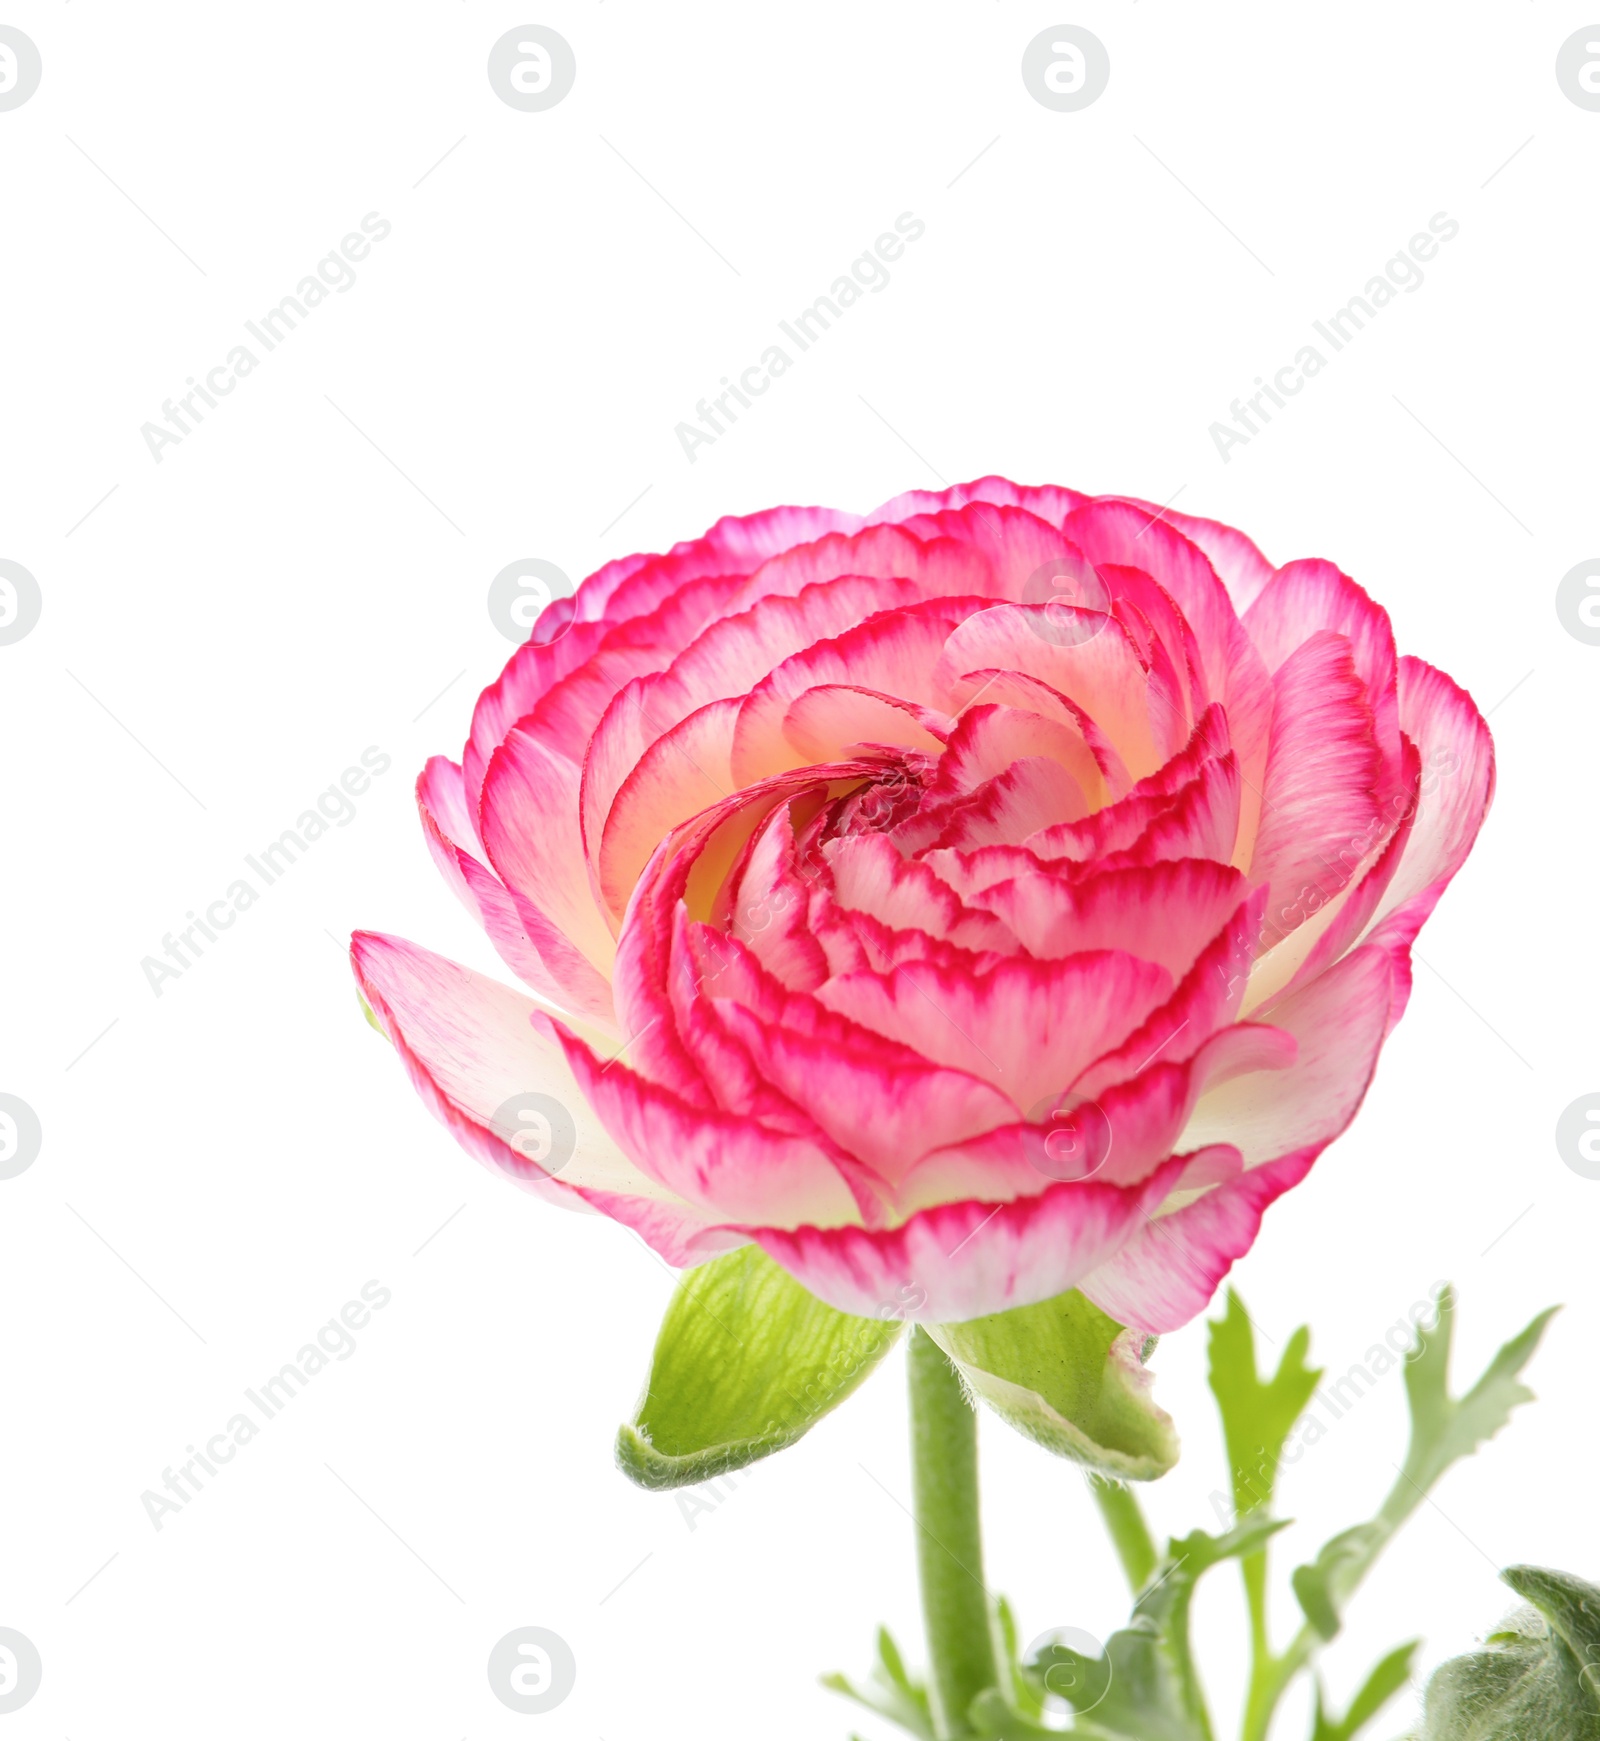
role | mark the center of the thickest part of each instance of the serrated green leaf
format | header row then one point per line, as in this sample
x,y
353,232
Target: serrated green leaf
x,y
746,1362
1257,1415
1535,1679
1145,1684
1069,1378
891,1693
1390,1675
1444,1429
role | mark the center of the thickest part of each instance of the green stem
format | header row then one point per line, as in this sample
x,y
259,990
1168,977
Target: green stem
x,y
1271,1675
1262,1695
944,1480
1130,1534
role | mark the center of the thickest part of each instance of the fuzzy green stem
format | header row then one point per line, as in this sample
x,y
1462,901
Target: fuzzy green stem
x,y
1262,1695
944,1480
1130,1534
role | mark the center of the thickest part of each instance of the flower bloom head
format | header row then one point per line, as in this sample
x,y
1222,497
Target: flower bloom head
x,y
1004,893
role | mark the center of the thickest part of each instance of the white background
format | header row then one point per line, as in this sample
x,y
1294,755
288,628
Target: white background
x,y
224,633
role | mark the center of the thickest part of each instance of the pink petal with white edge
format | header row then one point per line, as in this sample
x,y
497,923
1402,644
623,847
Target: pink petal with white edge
x,y
695,864
1207,1000
1330,931
1339,1020
989,738
857,942
1101,675
1165,912
1306,596
892,653
975,690
1119,1139
1168,1271
733,549
1309,595
937,567
1015,543
539,955
530,831
884,1112
1029,1027
682,773
1244,571
1048,502
869,876
730,1168
1457,786
836,720
769,909
735,545
1202,820
1234,673
966,1260
1117,532
469,1045
675,1236
533,669
1188,808
1320,814
728,658
1033,795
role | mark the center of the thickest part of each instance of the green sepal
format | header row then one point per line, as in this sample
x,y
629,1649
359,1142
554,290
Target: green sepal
x,y
1071,1379
1535,1678
746,1362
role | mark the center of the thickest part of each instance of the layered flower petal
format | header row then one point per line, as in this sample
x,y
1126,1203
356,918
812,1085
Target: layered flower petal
x,y
1006,891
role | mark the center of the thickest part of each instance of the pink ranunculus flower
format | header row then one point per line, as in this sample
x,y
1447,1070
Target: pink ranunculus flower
x,y
1007,892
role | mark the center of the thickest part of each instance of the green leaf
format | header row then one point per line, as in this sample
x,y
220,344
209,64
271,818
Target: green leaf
x,y
1145,1684
1069,1378
892,1692
1444,1429
1535,1678
1024,1695
995,1720
1379,1687
1328,1582
1257,1415
746,1362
